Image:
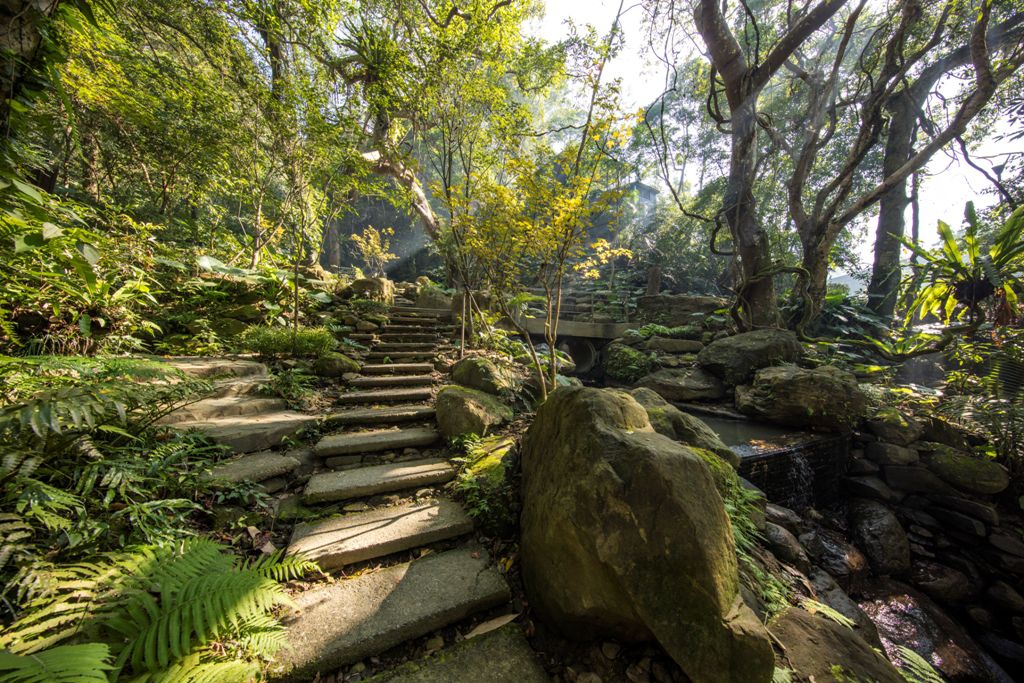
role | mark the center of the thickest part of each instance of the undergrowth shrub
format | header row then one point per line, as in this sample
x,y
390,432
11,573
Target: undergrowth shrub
x,y
626,364
483,483
279,341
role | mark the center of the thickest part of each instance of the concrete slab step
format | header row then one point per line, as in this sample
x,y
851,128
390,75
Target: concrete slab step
x,y
417,321
226,406
405,395
369,416
421,310
329,487
397,369
209,368
255,467
250,433
501,656
399,355
376,440
392,337
398,328
383,381
362,336
334,543
405,346
238,386
367,615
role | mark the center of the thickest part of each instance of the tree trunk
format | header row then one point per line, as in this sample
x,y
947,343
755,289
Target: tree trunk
x,y
654,279
20,36
815,261
757,289
886,273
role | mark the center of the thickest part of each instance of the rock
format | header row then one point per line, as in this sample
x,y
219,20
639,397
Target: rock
x,y
878,533
828,592
735,359
835,555
623,363
685,384
1008,543
610,650
255,467
334,364
784,517
871,487
1006,596
462,411
825,398
669,345
815,645
860,465
433,297
914,479
959,521
784,546
944,432
367,326
373,288
600,488
228,327
895,426
969,473
941,582
482,374
679,426
676,309
890,454
983,511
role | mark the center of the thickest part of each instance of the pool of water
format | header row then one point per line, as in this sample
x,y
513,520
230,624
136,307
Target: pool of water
x,y
750,438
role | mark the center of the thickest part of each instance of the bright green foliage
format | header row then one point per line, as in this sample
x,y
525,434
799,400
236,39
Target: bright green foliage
x,y
166,613
484,485
62,664
961,276
916,669
374,247
277,341
681,332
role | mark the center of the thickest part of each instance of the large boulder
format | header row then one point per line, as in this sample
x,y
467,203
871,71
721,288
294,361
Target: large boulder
x,y
461,411
824,398
433,297
878,533
816,646
334,364
676,309
373,288
624,535
966,472
679,426
684,384
623,363
482,374
896,426
735,359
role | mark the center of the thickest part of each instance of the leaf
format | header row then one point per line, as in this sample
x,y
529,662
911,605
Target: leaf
x,y
27,190
89,253
85,325
29,242
492,625
51,231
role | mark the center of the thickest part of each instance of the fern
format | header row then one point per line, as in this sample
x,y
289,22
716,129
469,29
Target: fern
x,y
815,607
917,669
65,664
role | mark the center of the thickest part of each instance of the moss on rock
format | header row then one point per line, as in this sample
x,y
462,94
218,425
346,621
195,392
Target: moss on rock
x,y
626,364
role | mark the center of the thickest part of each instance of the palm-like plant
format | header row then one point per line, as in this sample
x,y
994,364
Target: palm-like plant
x,y
962,275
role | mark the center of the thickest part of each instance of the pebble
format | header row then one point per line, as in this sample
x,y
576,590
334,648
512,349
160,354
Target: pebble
x,y
434,644
356,507
357,668
610,650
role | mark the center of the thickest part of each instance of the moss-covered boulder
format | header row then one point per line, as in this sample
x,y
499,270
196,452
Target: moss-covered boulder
x,y
431,296
334,364
625,535
624,363
679,426
967,472
483,374
378,289
895,426
461,411
684,384
824,398
671,345
735,359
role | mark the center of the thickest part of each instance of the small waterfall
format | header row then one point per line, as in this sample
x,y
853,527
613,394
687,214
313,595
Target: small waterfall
x,y
801,480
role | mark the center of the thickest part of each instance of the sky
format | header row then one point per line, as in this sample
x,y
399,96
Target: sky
x,y
943,195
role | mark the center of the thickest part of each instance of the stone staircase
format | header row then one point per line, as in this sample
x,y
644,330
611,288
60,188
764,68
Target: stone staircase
x,y
379,457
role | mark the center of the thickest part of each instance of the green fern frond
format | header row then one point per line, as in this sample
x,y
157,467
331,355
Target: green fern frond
x,y
281,567
917,669
65,664
194,670
815,607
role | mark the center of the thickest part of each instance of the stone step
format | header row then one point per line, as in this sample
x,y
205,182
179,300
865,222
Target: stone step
x,y
249,433
334,543
402,328
401,355
255,467
501,656
362,337
210,368
392,337
383,381
404,395
227,406
240,386
405,346
437,313
329,487
350,620
368,416
419,322
374,441
397,369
